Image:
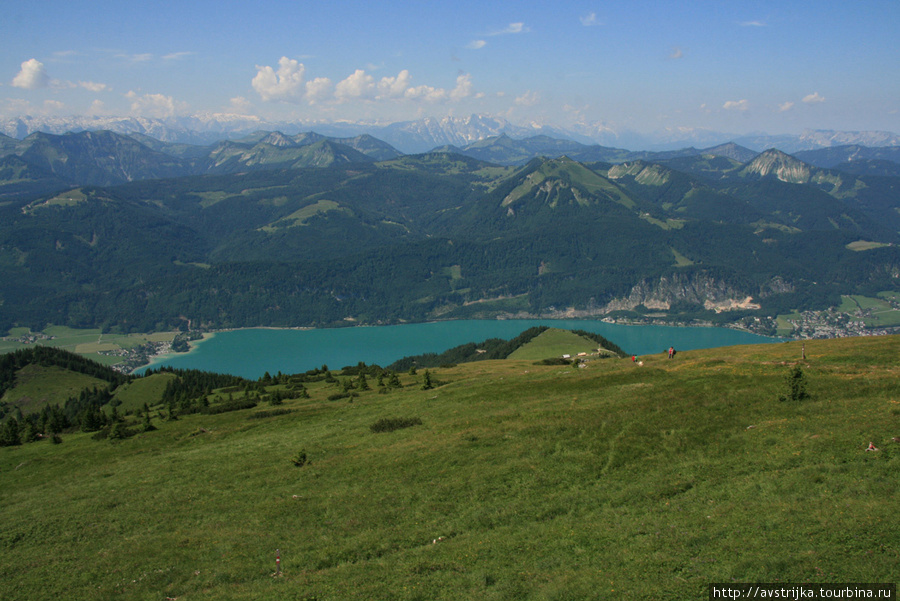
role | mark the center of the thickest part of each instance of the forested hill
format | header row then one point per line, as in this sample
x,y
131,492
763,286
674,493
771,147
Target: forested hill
x,y
444,236
11,363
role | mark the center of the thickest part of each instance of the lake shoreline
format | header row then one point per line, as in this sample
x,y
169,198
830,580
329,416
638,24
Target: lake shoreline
x,y
249,352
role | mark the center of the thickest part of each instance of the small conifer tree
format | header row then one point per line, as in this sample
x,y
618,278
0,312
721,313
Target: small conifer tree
x,y
796,385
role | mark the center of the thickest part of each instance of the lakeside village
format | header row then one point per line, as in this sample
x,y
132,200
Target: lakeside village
x,y
835,322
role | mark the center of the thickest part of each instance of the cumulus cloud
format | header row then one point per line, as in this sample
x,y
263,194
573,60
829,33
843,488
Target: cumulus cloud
x,y
358,85
463,87
785,106
427,93
476,44
394,87
512,28
318,89
285,84
589,19
31,76
153,105
813,98
736,105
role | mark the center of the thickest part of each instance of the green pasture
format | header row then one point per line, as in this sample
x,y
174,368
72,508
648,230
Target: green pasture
x,y
134,395
38,385
88,342
555,343
881,312
617,481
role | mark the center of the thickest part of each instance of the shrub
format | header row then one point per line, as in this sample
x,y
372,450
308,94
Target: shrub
x,y
273,413
389,424
553,361
300,459
229,406
796,385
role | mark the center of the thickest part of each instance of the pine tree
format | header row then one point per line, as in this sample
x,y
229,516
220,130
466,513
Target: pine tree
x,y
9,436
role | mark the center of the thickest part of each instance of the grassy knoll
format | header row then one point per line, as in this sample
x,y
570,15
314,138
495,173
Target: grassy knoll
x,y
38,385
554,343
149,390
521,482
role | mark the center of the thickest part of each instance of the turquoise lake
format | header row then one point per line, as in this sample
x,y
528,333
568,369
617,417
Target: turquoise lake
x,y
252,352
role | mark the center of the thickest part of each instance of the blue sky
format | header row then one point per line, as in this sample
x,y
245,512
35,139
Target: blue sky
x,y
738,67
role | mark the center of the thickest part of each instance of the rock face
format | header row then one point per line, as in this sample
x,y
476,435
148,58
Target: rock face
x,y
696,288
780,165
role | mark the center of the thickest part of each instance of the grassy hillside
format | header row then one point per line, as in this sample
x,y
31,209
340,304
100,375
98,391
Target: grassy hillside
x,y
617,481
554,343
38,385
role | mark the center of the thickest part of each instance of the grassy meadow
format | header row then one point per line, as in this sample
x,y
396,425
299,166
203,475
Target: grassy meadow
x,y
616,481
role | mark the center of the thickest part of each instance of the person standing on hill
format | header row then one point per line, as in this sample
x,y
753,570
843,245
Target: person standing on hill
x,y
671,352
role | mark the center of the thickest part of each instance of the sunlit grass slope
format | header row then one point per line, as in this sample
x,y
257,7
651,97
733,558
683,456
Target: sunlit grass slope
x,y
617,481
554,343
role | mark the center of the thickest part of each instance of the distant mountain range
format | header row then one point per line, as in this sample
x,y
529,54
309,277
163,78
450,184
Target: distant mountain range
x,y
424,134
42,162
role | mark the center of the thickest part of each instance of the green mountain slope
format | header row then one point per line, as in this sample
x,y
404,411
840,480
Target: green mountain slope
x,y
512,480
438,236
98,158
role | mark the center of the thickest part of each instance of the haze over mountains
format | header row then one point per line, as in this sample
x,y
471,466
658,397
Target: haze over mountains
x,y
424,134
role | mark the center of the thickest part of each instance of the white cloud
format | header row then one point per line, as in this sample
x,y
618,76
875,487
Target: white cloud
x,y
176,55
318,89
93,86
813,98
428,93
358,85
31,76
589,19
240,105
753,24
284,84
676,53
97,108
785,106
512,28
287,84
528,99
154,105
476,44
394,87
54,106
463,87
736,105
